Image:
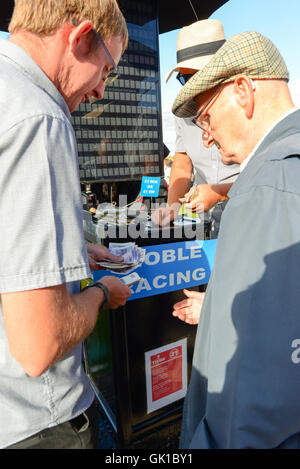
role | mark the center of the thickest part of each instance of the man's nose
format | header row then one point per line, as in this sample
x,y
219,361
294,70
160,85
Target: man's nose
x,y
99,90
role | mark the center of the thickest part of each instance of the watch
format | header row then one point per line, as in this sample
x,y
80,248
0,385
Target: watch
x,y
104,289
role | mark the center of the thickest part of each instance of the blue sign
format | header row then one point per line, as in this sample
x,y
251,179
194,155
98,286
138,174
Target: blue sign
x,y
171,267
150,186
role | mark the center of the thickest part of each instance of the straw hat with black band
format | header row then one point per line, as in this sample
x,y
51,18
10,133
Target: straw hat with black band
x,y
197,43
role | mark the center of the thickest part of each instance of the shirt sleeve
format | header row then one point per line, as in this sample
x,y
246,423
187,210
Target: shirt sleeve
x,y
180,146
42,241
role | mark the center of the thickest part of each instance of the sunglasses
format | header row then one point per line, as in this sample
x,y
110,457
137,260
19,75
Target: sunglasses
x,y
183,79
114,74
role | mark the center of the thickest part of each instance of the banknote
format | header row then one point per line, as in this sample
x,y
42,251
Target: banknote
x,y
133,257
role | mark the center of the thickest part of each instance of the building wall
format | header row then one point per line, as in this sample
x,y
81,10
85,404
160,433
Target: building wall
x,y
120,137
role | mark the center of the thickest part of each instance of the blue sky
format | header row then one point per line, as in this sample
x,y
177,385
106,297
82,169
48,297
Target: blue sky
x,y
279,20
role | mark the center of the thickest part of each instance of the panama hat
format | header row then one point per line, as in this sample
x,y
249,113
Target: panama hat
x,y
248,53
197,43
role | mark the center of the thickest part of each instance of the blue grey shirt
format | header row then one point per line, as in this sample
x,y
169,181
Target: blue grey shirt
x,y
207,162
42,242
245,384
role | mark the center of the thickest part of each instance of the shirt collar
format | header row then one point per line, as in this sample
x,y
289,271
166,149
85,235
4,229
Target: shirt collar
x,y
30,68
246,160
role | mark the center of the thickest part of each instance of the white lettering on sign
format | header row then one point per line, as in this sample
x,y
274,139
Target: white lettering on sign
x,y
198,274
171,255
185,277
171,279
156,281
142,285
168,255
152,254
196,253
181,257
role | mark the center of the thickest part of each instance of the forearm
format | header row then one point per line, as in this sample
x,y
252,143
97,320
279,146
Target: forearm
x,y
221,190
180,178
44,325
206,196
75,319
214,194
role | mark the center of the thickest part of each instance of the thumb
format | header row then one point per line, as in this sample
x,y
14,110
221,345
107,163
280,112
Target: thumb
x,y
112,257
194,294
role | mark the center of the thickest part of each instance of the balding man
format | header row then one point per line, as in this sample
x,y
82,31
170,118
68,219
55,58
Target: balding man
x,y
244,389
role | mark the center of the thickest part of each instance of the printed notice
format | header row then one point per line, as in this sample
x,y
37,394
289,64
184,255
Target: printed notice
x,y
166,374
150,186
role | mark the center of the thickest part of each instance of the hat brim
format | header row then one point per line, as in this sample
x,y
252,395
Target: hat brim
x,y
196,63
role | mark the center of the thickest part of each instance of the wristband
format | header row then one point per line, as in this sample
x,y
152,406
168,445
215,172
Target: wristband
x,y
104,289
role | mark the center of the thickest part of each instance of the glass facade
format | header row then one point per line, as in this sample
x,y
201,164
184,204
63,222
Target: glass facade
x,y
120,137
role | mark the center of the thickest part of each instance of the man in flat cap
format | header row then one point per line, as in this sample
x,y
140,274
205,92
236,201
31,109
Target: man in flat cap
x,y
245,385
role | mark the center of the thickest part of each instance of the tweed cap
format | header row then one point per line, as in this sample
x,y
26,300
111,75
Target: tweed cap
x,y
248,53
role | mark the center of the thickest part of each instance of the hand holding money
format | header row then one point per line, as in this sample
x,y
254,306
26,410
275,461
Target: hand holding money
x,y
189,196
132,257
118,291
98,253
203,197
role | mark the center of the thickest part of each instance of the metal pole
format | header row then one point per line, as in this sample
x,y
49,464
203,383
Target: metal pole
x,y
100,398
194,10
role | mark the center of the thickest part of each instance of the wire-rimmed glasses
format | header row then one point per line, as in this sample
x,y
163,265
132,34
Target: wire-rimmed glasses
x,y
114,74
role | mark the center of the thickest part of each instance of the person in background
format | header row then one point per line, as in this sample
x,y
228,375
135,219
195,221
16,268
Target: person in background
x,y
167,169
196,44
244,388
58,55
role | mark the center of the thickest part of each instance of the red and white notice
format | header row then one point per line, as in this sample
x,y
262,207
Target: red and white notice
x,y
166,374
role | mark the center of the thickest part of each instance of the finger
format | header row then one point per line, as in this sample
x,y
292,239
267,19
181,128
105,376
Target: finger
x,y
186,319
197,295
192,322
93,264
178,313
188,312
199,209
113,257
190,206
182,317
185,313
183,304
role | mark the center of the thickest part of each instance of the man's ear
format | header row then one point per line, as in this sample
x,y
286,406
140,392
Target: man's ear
x,y
244,89
207,139
77,34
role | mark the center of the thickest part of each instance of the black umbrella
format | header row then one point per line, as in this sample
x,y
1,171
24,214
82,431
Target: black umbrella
x,y
7,7
172,14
